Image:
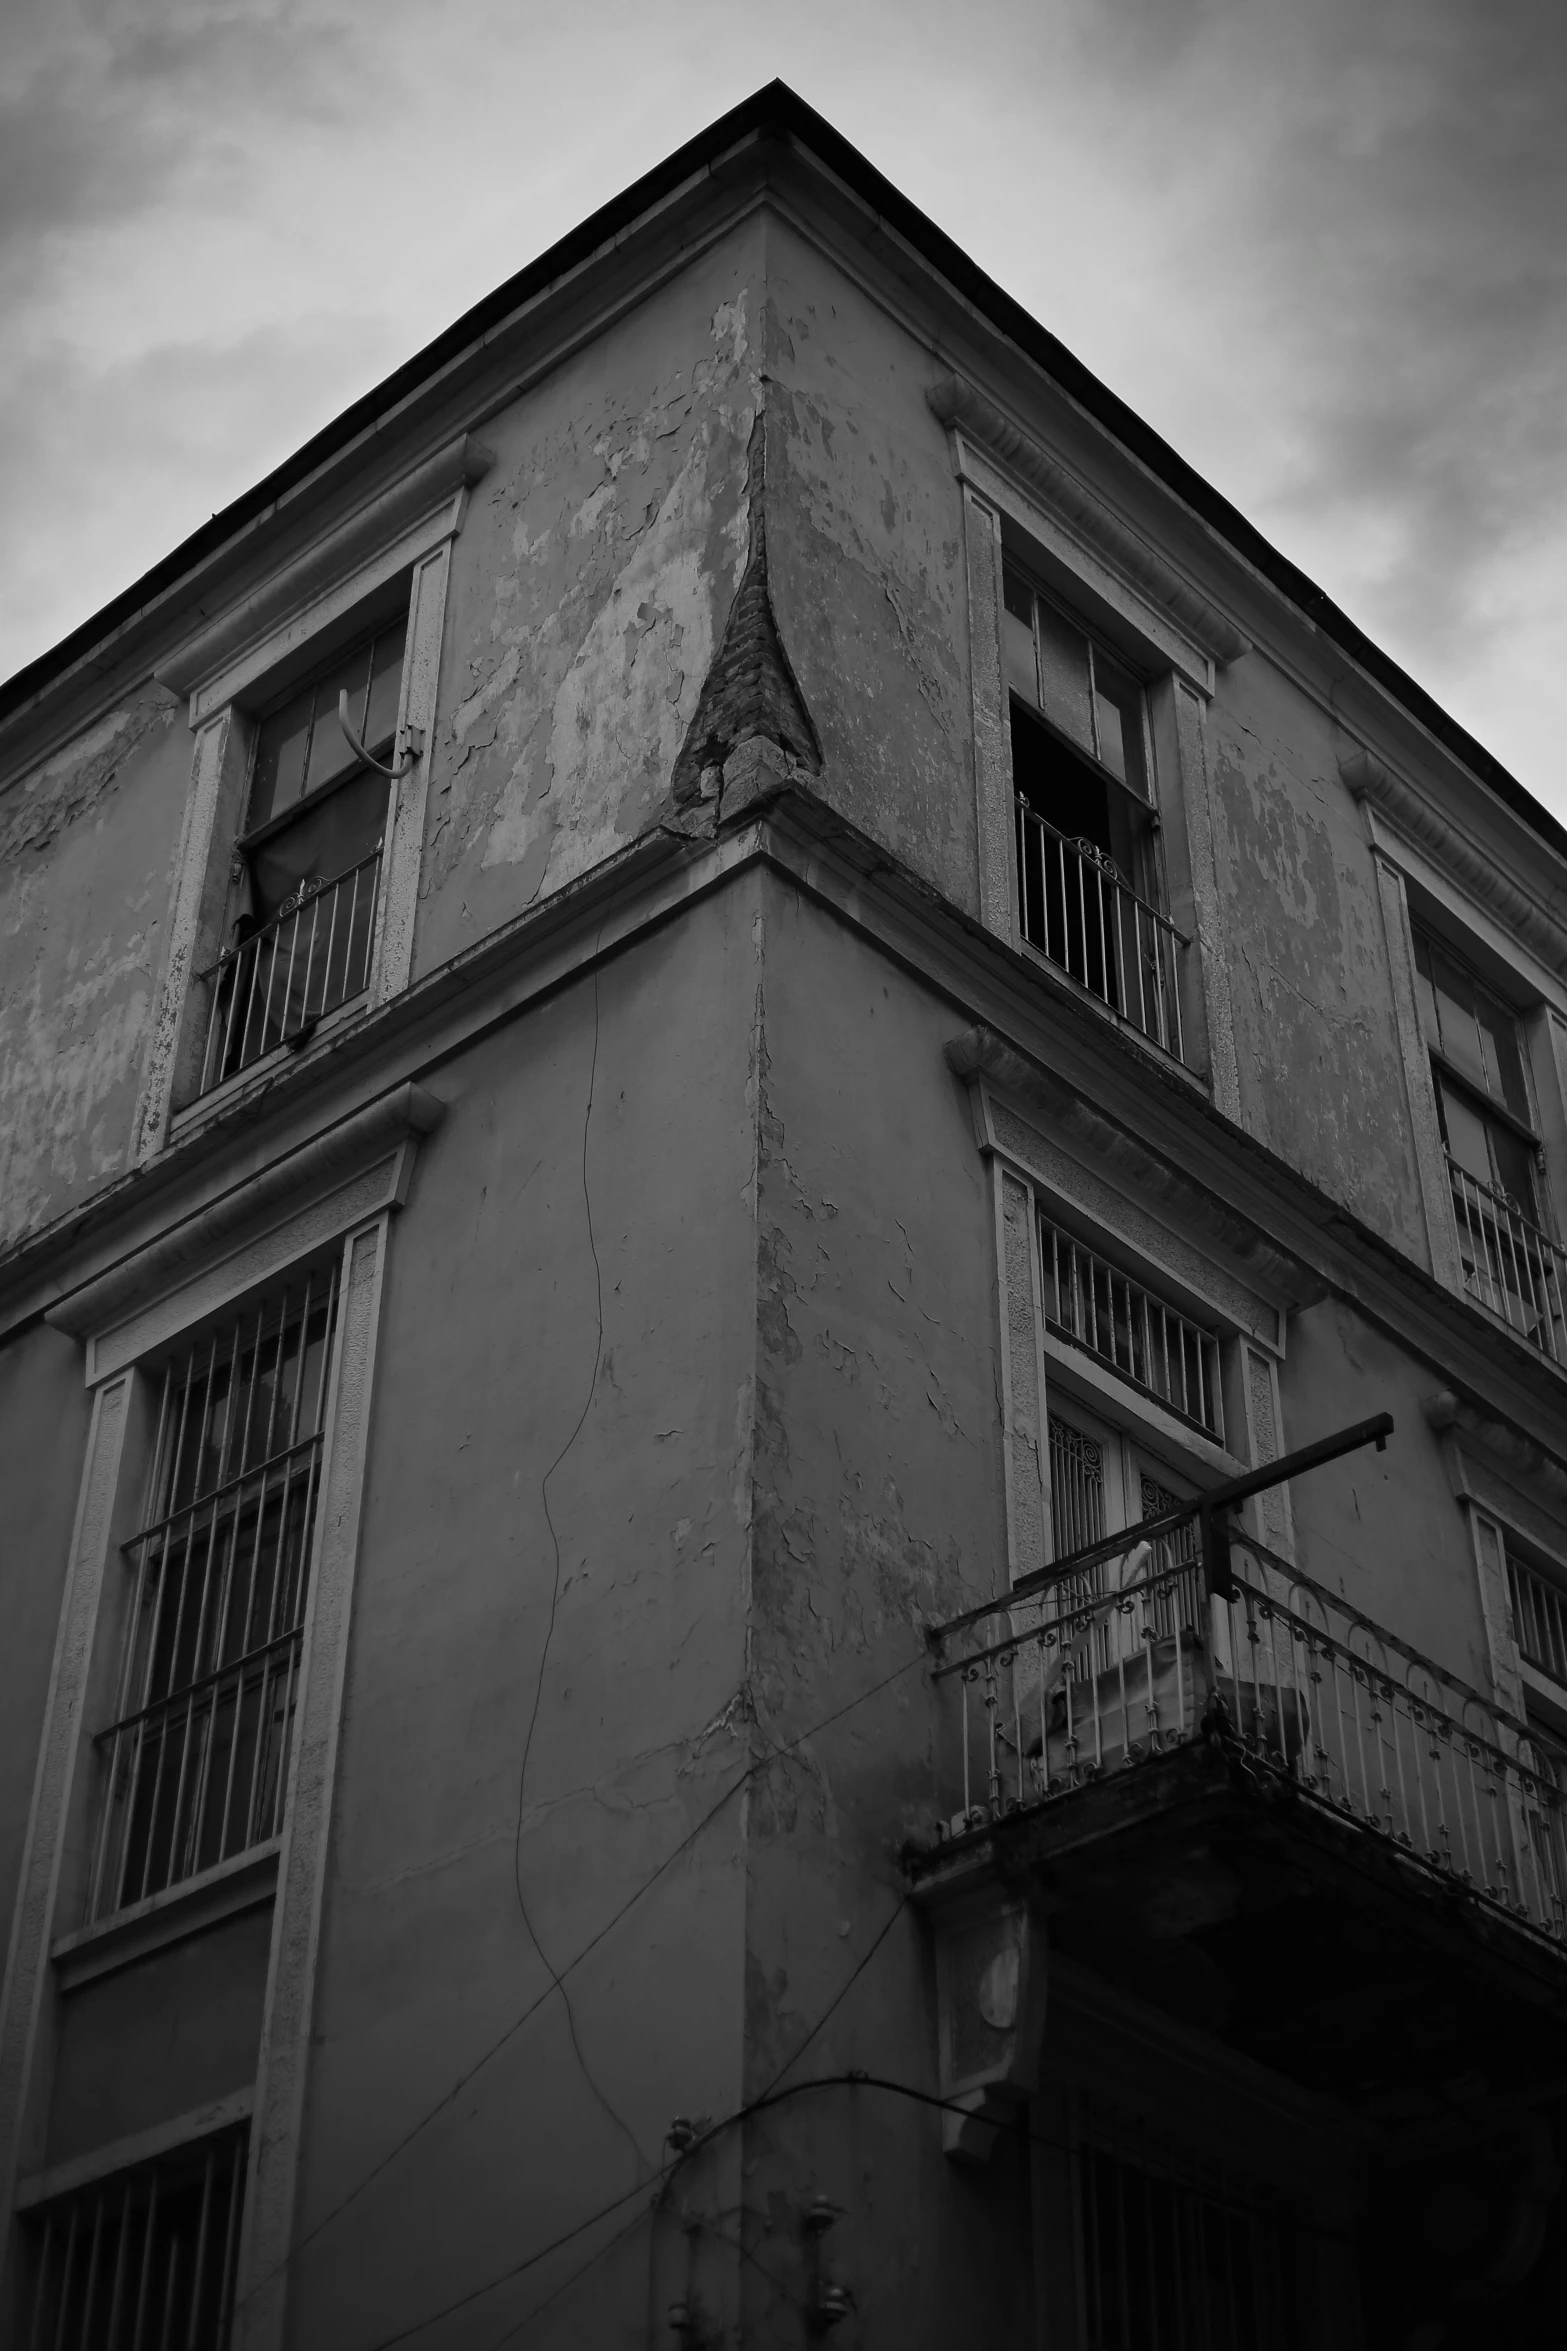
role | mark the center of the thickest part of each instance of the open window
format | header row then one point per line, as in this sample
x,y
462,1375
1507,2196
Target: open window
x,y
306,871
1089,886
1510,1263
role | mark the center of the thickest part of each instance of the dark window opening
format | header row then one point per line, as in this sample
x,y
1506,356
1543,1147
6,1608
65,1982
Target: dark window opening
x,y
307,868
144,2260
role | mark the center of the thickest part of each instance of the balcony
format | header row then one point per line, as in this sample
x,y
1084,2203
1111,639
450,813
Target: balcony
x,y
1075,909
1510,1266
1239,1798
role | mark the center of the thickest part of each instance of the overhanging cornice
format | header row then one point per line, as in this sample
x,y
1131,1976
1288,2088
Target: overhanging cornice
x,y
1534,920
955,402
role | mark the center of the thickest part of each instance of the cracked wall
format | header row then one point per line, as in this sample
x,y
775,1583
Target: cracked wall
x,y
590,586
1321,1077
528,1216
88,841
878,1509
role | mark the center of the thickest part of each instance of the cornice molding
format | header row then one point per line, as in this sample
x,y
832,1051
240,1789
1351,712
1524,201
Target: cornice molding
x,y
1532,920
441,481
1541,1474
323,1165
978,1056
956,403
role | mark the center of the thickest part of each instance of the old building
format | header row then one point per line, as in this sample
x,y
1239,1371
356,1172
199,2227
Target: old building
x,y
729,973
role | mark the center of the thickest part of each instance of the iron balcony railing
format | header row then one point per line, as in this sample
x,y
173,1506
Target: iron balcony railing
x,y
1078,1688
1509,1265
312,956
1074,907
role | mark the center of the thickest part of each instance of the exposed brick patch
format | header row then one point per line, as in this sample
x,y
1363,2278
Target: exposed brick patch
x,y
750,689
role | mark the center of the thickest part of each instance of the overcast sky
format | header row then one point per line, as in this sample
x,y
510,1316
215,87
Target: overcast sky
x,y
1320,244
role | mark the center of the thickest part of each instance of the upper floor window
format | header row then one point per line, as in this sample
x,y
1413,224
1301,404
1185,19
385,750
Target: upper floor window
x,y
306,870
1090,894
1510,1263
197,1754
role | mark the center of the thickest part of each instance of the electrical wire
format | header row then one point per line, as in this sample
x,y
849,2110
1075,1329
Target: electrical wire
x,y
556,1979
758,1763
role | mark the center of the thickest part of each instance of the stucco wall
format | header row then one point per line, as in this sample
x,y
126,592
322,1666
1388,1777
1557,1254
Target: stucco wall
x,y
87,850
487,1358
1383,1529
1321,1080
878,1509
865,541
589,588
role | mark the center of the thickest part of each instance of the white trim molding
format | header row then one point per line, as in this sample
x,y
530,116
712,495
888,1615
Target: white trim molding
x,y
308,1197
1098,530
1536,921
404,535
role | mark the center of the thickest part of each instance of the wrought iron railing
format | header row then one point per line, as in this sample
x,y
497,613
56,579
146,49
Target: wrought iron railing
x,y
1079,1686
1105,1311
1074,907
196,1761
312,956
1509,1265
144,2260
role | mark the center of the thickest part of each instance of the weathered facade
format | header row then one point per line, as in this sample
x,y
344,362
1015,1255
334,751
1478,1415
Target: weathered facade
x,y
730,973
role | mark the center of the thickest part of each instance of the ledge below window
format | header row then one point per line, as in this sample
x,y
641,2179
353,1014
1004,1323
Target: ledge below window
x,y
195,1904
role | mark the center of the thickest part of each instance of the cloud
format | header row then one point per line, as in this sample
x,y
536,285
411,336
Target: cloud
x,y
1316,244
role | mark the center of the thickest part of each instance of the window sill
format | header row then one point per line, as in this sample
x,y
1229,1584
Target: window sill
x,y
189,1908
1075,990
194,1115
1187,1449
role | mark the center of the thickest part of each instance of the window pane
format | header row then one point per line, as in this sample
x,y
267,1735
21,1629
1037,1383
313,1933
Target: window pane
x,y
386,682
1499,1036
1063,675
324,843
329,753
1455,1009
282,745
1512,1165
1468,1133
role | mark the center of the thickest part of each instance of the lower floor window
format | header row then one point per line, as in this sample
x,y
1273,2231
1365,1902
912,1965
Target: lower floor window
x,y
196,1760
1176,2253
143,2260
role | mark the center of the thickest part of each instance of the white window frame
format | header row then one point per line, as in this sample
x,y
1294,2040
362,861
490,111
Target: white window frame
x,y
1031,1174
1393,813
1127,594
301,613
341,1195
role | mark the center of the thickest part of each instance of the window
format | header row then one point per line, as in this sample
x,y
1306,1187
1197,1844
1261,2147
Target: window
x,y
1539,1616
1509,1263
1104,1311
1175,2249
307,868
1099,1485
197,1756
1088,871
144,2260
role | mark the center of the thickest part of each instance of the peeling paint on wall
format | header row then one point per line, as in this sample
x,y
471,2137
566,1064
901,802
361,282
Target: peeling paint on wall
x,y
86,849
596,579
1321,1074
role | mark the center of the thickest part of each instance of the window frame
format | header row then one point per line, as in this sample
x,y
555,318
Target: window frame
x,y
397,548
1022,505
